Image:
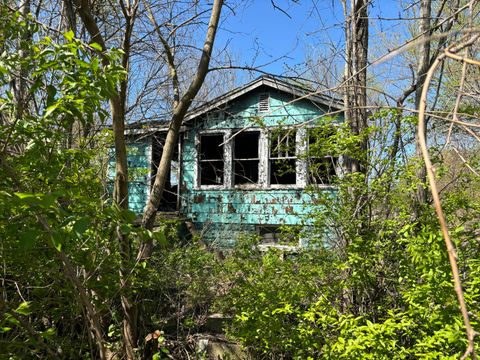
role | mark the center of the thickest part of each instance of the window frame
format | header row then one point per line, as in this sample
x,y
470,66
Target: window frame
x,y
264,159
198,161
337,162
259,183
299,183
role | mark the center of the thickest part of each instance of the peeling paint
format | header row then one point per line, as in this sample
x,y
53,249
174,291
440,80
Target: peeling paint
x,y
231,208
198,198
225,210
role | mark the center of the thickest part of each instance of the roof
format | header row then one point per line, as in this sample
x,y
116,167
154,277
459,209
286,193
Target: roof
x,y
272,82
297,91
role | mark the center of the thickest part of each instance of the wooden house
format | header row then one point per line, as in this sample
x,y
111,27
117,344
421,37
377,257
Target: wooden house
x,y
241,163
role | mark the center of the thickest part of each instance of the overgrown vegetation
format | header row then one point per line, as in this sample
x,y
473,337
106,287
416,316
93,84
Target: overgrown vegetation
x,y
380,287
374,282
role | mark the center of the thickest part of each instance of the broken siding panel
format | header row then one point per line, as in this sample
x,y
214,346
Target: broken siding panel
x,y
260,196
288,215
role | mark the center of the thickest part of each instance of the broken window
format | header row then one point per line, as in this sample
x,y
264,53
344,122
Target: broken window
x,y
322,167
211,163
322,170
283,157
246,158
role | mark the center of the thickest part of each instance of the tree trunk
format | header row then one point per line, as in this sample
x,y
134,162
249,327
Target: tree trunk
x,y
179,112
355,100
423,66
69,20
356,38
120,192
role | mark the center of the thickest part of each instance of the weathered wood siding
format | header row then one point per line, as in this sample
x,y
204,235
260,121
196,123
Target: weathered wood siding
x,y
139,172
223,214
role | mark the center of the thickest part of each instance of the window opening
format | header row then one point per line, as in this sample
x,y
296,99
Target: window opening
x,y
246,158
283,157
211,161
321,166
278,234
263,102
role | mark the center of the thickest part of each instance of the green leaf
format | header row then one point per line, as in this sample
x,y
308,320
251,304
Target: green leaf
x,y
48,334
9,318
27,239
69,35
24,308
125,229
51,109
81,225
57,241
51,92
23,196
111,330
96,46
160,237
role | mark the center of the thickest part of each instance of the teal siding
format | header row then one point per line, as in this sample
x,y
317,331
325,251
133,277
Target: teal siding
x,y
139,170
244,112
223,214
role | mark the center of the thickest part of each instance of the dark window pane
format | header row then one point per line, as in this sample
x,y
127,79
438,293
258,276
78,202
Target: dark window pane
x,y
210,148
246,145
170,192
283,144
272,234
246,158
245,171
211,162
211,172
283,157
322,170
282,171
321,166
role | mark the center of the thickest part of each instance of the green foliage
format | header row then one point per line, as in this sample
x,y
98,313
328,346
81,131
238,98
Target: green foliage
x,y
176,290
270,299
51,197
377,283
313,305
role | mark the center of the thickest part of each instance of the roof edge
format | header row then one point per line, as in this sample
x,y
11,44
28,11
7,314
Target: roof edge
x,y
295,90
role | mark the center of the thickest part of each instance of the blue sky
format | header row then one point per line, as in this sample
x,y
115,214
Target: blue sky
x,y
259,34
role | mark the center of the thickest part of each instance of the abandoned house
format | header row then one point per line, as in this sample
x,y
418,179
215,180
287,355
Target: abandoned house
x,y
240,165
